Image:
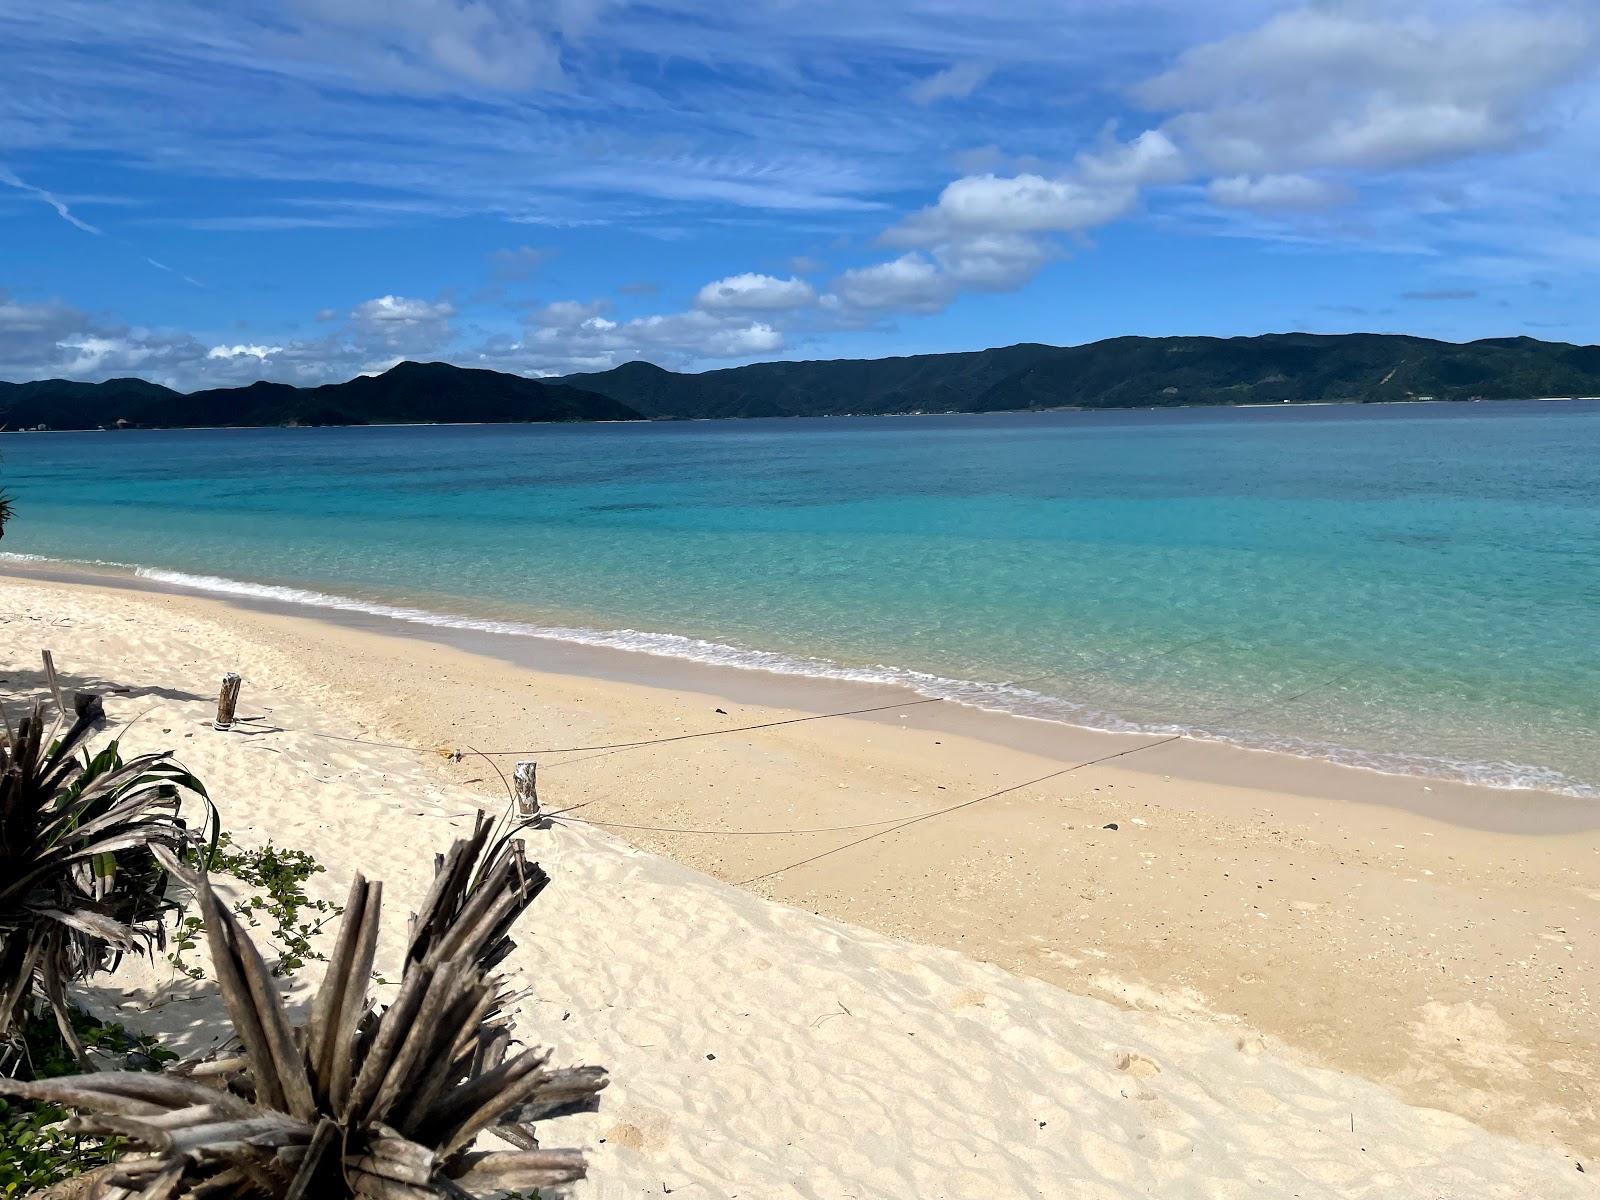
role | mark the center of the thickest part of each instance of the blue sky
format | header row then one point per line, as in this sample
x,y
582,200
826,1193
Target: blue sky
x,y
210,194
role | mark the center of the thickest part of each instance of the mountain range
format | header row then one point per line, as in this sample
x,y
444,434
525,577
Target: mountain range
x,y
1125,372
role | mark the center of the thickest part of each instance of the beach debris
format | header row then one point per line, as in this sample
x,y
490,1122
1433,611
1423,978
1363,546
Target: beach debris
x,y
1112,825
227,702
357,1102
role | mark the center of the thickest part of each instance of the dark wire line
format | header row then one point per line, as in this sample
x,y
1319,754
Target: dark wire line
x,y
1210,637
1033,782
819,716
557,816
704,733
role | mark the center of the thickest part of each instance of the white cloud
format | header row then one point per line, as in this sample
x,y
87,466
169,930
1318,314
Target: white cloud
x,y
10,179
571,335
1150,159
1346,87
403,325
910,283
259,353
755,293
1016,204
390,311
570,314
49,339
994,262
1276,192
955,82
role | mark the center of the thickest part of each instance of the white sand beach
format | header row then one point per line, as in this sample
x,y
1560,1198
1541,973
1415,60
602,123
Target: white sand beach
x,y
1234,994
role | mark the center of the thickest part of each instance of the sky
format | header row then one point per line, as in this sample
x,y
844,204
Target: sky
x,y
305,190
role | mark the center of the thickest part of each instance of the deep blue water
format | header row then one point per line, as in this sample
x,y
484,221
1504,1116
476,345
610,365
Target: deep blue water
x,y
1428,574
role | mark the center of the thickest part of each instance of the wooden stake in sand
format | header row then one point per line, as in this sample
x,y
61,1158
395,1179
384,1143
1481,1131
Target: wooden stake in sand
x,y
227,701
525,780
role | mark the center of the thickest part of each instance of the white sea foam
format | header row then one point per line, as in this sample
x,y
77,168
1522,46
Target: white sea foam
x,y
1010,698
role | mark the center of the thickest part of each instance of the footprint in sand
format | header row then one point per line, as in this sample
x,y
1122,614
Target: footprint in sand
x,y
649,1134
1137,1065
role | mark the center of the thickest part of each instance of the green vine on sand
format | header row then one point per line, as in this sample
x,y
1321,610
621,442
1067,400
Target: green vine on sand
x,y
277,876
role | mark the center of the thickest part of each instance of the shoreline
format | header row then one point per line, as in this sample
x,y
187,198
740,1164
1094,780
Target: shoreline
x,y
1330,908
1201,757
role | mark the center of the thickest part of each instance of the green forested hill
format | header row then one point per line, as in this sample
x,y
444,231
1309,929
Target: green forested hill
x,y
1117,373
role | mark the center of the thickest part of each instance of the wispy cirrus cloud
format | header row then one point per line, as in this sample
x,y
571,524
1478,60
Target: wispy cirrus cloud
x,y
10,179
868,164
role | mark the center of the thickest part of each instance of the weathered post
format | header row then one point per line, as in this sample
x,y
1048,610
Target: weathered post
x,y
227,701
526,784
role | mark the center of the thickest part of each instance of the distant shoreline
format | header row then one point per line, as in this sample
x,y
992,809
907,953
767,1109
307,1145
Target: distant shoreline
x,y
997,412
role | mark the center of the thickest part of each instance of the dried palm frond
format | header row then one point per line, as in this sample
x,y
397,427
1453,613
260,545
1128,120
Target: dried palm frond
x,y
80,883
356,1102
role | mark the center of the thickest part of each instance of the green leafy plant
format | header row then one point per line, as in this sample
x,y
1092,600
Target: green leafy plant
x,y
277,876
36,1151
357,1102
83,844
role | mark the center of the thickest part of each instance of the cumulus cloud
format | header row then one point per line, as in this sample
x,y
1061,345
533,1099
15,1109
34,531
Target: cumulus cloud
x,y
572,335
990,232
403,325
910,283
46,339
1348,87
1150,159
389,312
1276,192
980,204
259,353
955,82
994,262
569,314
755,293
49,339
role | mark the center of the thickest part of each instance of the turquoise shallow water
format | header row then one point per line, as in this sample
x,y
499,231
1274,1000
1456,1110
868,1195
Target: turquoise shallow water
x,y
1414,588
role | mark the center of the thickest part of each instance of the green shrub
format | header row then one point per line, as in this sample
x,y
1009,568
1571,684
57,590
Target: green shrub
x,y
34,1151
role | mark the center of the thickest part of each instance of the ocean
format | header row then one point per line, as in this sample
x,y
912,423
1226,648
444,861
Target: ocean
x,y
1411,588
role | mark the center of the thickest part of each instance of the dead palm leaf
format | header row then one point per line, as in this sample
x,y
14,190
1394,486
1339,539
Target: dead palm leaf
x,y
356,1102
80,881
